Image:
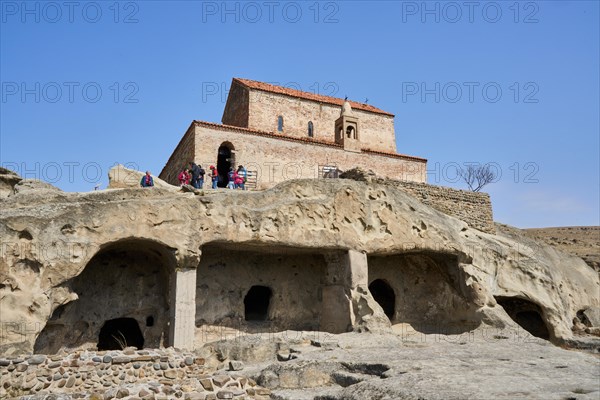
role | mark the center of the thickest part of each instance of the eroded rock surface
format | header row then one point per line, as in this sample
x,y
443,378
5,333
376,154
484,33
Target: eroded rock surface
x,y
460,278
487,363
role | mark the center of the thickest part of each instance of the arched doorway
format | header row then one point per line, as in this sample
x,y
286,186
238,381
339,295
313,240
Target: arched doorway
x,y
225,161
123,288
256,303
383,294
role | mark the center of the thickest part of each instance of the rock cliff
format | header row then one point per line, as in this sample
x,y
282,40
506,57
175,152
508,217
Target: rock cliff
x,y
49,236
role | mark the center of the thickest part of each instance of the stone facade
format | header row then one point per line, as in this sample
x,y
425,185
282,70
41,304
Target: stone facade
x,y
257,105
475,208
266,129
277,158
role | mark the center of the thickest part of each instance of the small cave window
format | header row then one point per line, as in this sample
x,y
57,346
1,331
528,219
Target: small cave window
x,y
150,320
280,124
116,334
256,303
383,294
310,129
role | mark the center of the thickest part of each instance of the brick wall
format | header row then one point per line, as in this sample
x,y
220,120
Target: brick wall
x,y
278,159
184,152
236,109
376,131
474,208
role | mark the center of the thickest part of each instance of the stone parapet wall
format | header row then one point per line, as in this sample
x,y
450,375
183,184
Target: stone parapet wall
x,y
475,208
127,374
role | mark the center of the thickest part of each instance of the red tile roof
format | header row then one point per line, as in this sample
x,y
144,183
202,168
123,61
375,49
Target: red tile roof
x,y
266,87
306,140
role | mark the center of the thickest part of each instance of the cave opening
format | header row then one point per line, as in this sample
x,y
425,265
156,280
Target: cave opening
x,y
383,294
525,313
118,333
256,303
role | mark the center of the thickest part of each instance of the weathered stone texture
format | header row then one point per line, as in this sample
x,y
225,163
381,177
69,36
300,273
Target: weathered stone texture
x,y
123,281
475,208
183,293
421,275
294,278
8,180
55,243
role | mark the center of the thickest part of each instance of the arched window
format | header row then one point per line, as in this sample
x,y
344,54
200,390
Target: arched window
x,y
350,132
310,129
280,123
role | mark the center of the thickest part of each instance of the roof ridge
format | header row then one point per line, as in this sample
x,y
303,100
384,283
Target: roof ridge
x,y
268,87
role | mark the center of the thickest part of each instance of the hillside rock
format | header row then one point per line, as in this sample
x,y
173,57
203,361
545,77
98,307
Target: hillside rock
x,y
8,180
456,278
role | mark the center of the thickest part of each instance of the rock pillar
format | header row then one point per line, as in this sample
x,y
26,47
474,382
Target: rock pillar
x,y
183,308
345,273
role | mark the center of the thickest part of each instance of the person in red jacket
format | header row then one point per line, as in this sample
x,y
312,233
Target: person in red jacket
x,y
184,177
214,176
238,180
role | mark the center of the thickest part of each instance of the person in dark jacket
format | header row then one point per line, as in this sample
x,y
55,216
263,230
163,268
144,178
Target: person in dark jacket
x,y
195,171
147,180
201,176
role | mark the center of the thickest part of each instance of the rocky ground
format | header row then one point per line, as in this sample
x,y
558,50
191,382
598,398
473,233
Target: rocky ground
x,y
482,364
582,241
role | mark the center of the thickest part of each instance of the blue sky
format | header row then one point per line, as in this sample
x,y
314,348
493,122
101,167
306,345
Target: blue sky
x,y
86,85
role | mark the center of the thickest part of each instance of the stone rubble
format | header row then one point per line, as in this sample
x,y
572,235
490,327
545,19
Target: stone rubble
x,y
127,374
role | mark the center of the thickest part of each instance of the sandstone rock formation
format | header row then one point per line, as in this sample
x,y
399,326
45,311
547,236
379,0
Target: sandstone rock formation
x,y
120,177
8,180
71,262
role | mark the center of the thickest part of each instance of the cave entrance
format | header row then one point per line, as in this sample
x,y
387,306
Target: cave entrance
x,y
525,313
256,303
128,278
383,294
116,334
426,293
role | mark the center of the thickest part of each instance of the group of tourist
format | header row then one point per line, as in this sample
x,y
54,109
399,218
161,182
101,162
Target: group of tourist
x,y
194,175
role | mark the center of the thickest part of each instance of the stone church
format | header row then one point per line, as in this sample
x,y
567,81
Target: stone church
x,y
278,134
